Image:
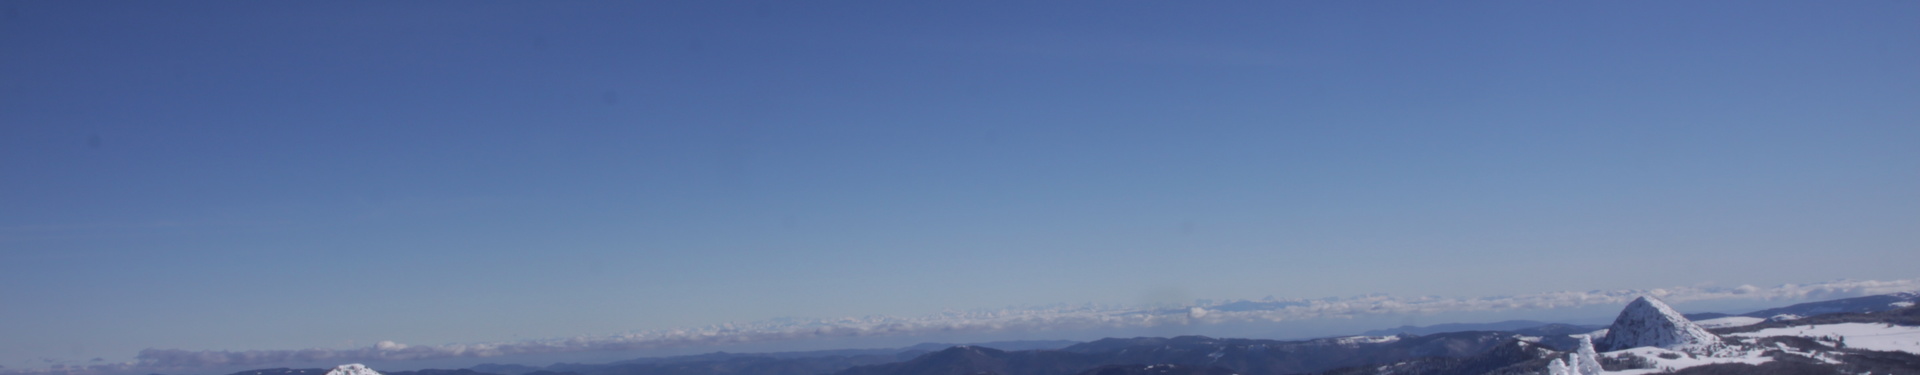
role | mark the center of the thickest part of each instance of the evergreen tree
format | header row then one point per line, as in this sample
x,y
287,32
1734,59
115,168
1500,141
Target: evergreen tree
x,y
1588,361
1558,368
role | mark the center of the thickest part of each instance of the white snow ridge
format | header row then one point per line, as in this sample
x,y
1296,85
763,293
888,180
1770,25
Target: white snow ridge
x,y
1649,322
352,369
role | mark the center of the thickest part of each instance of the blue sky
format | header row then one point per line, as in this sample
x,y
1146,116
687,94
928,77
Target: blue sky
x,y
239,175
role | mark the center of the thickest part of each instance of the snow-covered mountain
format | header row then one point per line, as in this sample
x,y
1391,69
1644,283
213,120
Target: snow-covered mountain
x,y
352,369
1649,322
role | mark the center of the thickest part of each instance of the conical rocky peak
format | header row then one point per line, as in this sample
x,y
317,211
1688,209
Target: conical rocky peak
x,y
1649,322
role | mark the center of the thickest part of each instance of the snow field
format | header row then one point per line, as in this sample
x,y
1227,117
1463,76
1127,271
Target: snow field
x,y
1869,336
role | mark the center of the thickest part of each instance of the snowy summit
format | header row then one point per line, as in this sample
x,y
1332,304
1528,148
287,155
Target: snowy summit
x,y
352,369
1649,322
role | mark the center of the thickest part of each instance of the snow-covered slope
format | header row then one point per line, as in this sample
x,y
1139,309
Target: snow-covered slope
x,y
352,369
1869,336
1663,359
1649,322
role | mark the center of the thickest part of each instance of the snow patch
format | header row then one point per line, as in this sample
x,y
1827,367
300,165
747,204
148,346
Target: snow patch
x,y
1355,340
1819,355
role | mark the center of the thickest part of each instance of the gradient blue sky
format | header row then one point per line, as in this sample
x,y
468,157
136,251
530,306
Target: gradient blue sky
x,y
274,175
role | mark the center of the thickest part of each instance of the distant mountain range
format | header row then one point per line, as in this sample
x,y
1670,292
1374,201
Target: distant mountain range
x,y
1244,355
1866,304
321,371
778,363
1510,325
1648,335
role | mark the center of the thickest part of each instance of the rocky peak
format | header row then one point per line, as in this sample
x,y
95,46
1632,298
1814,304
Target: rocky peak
x,y
1649,322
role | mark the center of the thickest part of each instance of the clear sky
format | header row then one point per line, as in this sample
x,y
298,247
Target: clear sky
x,y
282,175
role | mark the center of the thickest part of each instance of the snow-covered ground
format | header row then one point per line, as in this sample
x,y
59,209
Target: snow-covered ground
x,y
1731,321
1684,360
1869,336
